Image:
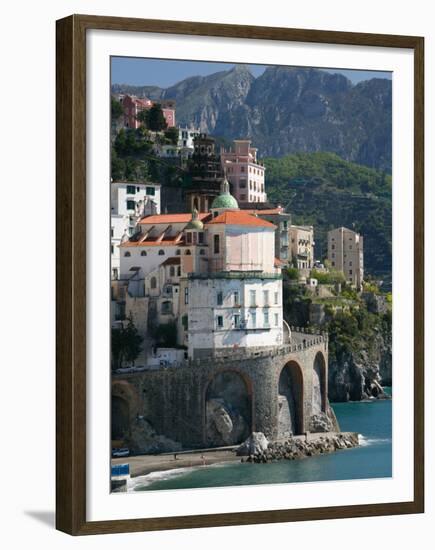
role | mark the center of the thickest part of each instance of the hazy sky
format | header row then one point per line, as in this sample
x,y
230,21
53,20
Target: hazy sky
x,y
164,73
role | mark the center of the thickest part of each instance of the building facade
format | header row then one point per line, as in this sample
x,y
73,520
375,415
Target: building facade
x,y
133,105
244,172
129,202
301,241
215,274
346,254
205,173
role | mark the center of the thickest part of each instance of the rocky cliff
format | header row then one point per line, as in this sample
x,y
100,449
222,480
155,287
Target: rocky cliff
x,y
359,372
286,110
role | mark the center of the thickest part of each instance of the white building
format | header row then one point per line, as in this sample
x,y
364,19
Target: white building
x,y
237,302
186,137
244,172
215,274
129,202
346,254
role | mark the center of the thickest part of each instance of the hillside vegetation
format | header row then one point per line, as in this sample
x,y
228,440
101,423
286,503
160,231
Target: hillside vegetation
x,y
323,190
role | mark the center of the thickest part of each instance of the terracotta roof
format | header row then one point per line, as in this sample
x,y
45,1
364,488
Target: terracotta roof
x,y
167,242
240,217
172,261
278,262
266,211
172,218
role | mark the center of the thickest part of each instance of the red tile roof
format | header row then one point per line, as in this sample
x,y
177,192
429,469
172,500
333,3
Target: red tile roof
x,y
240,217
171,218
167,242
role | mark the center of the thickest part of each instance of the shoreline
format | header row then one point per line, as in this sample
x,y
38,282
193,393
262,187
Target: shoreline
x,y
142,465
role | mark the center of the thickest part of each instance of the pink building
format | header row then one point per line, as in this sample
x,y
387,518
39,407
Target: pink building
x,y
134,105
244,172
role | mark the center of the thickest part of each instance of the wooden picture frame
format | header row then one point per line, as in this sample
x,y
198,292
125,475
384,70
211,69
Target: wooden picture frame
x,y
71,273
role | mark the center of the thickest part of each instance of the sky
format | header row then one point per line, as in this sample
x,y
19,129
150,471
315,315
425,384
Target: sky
x,y
164,73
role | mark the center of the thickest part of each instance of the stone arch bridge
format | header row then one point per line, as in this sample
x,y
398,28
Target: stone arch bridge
x,y
274,390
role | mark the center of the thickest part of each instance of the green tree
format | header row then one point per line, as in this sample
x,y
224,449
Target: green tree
x,y
126,344
171,134
115,109
155,119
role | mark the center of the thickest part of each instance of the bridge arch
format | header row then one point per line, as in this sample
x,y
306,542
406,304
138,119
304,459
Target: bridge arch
x,y
319,384
228,407
290,400
124,409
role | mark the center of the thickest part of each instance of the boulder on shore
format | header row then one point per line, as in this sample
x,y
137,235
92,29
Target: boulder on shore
x,y
256,443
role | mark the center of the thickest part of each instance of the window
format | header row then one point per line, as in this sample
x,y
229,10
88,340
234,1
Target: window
x,y
220,321
131,205
202,252
131,189
350,264
236,297
161,252
151,191
266,297
153,282
242,169
185,322
266,318
111,231
276,319
252,298
166,308
201,237
178,271
333,255
178,252
143,253
172,271
333,247
333,264
236,321
254,319
111,248
186,295
216,244
276,298
219,298
127,254
242,184
350,272
188,253
189,238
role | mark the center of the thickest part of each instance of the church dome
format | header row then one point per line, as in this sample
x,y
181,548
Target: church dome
x,y
195,223
225,200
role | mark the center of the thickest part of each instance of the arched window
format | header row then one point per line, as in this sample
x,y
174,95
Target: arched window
x,y
202,252
172,271
153,282
127,254
178,252
188,253
161,252
143,253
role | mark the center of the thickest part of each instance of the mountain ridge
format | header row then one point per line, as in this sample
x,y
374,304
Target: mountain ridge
x,y
287,110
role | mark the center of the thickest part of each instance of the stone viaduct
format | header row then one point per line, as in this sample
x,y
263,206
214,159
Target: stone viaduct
x,y
276,390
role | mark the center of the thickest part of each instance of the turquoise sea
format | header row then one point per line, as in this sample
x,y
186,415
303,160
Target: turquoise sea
x,y
372,459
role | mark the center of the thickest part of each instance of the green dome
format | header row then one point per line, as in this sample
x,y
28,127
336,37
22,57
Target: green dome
x,y
225,200
195,223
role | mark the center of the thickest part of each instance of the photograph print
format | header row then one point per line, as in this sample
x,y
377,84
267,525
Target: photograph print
x,y
251,274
